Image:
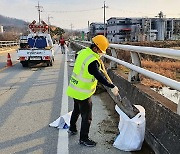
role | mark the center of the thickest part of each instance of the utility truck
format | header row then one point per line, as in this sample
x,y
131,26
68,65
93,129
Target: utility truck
x,y
37,47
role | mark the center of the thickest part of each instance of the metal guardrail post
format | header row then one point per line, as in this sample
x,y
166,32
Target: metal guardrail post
x,y
133,76
178,107
113,64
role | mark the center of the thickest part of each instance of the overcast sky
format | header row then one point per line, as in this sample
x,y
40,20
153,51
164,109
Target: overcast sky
x,y
77,13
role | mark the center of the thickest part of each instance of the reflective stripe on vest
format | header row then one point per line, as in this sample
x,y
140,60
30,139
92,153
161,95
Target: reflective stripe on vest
x,y
80,89
80,76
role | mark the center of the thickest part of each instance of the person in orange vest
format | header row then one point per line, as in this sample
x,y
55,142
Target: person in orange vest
x,y
86,73
62,43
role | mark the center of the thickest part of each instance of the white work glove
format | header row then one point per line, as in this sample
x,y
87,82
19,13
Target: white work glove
x,y
101,54
115,91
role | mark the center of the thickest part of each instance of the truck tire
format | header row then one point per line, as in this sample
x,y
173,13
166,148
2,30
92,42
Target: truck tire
x,y
24,63
51,63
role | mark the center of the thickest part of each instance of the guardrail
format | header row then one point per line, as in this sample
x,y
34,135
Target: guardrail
x,y
135,66
8,43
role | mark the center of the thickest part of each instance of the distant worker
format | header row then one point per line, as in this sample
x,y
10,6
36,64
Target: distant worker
x,y
83,82
62,43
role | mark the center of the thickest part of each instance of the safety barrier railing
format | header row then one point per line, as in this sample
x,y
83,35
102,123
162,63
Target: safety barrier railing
x,y
8,43
135,66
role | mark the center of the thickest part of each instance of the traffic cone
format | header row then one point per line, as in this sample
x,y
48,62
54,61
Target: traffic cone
x,y
9,62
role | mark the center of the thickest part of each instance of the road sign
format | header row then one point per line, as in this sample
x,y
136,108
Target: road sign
x,y
38,28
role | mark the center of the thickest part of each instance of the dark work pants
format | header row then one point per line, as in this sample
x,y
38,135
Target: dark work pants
x,y
83,107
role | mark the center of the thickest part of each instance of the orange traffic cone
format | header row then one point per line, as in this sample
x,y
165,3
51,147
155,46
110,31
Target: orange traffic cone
x,y
9,62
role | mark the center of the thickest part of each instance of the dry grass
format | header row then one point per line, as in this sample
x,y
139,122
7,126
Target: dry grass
x,y
170,69
167,68
164,66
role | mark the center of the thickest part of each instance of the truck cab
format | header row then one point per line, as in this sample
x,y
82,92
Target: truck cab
x,y
23,41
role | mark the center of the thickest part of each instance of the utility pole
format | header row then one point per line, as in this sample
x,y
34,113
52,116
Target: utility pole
x,y
150,29
49,23
39,11
104,7
71,28
88,26
89,33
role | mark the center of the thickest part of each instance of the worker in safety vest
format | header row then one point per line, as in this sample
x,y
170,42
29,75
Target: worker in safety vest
x,y
83,82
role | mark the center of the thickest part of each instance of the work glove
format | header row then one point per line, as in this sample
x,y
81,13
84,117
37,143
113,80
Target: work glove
x,y
115,91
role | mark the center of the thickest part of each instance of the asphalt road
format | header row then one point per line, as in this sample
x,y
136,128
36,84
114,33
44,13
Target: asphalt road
x,y
31,98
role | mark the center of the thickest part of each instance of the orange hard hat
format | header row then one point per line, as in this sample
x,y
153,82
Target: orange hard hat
x,y
101,42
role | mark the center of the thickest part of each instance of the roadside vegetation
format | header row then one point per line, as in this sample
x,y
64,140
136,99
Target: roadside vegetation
x,y
167,68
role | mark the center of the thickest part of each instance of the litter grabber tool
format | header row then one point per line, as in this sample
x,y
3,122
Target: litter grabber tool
x,y
123,103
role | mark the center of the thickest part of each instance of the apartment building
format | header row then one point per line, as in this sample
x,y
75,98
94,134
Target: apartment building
x,y
96,28
121,29
138,29
142,29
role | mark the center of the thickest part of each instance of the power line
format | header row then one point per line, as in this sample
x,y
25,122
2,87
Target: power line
x,y
49,23
74,11
127,11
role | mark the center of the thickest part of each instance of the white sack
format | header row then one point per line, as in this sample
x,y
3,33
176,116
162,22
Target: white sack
x,y
132,131
62,121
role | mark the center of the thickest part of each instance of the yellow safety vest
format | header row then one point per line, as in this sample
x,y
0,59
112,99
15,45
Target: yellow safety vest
x,y
82,84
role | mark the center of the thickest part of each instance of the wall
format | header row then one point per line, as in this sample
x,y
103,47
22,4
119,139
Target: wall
x,y
162,123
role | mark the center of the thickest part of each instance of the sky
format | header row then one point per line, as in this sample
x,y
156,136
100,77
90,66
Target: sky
x,y
75,14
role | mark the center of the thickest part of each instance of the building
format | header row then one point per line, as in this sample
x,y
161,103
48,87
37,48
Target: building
x,y
122,29
130,29
173,29
142,29
96,29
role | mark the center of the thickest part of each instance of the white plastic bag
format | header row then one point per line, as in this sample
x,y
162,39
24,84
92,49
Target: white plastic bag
x,y
62,121
132,131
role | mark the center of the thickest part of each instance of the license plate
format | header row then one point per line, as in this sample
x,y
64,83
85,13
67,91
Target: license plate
x,y
35,58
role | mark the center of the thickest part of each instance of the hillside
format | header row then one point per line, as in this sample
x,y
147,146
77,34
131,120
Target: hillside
x,y
7,21
12,28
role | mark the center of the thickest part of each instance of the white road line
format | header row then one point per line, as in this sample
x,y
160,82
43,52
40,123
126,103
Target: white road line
x,y
62,147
